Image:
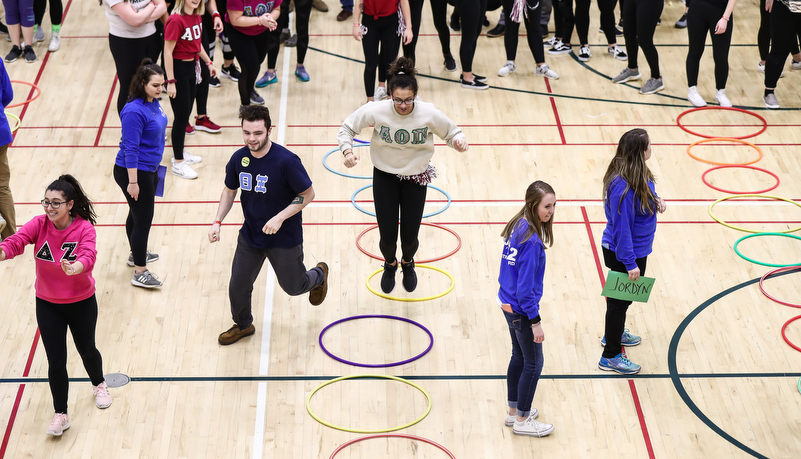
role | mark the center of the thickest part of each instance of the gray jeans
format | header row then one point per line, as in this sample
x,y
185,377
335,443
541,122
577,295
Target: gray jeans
x,y
289,270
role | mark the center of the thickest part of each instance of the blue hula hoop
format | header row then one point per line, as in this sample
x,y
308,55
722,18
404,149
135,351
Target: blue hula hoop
x,y
342,174
372,214
366,142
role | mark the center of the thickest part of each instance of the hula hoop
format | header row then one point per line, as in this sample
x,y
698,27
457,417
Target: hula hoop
x,y
727,139
35,96
773,265
784,335
409,437
412,300
703,179
746,230
768,274
14,117
366,142
383,365
799,390
372,214
378,257
764,122
344,429
342,174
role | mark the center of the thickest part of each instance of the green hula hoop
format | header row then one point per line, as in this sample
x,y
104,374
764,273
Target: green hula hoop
x,y
345,429
762,262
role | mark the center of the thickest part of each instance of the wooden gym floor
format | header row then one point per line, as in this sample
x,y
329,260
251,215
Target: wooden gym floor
x,y
718,380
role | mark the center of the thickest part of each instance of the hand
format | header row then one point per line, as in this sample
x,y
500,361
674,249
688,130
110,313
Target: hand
x,y
768,5
721,26
661,206
212,71
214,233
218,25
350,159
356,32
461,145
71,269
133,190
634,274
408,36
272,226
539,333
171,90
269,22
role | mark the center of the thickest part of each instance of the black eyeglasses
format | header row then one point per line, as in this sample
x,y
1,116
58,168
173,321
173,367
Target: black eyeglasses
x,y
402,102
53,204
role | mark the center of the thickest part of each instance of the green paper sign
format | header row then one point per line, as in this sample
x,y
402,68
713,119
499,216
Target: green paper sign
x,y
619,287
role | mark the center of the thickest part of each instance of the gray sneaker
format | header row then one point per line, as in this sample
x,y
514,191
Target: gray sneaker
x,y
39,35
771,101
507,68
151,257
146,279
652,86
626,75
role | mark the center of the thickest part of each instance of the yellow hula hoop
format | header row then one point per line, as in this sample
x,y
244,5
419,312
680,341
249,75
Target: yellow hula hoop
x,y
391,429
738,228
14,117
397,298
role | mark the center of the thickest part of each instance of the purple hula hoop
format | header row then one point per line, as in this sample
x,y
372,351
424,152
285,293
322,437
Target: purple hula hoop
x,y
383,365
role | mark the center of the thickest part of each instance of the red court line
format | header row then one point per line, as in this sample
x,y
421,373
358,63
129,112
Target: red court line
x,y
556,112
17,400
105,112
632,386
530,144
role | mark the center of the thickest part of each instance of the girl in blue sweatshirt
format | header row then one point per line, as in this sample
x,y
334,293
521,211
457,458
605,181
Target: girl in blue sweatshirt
x,y
630,204
522,272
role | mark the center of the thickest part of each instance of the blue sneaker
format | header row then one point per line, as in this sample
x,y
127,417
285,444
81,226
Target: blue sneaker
x,y
619,364
268,78
301,73
627,339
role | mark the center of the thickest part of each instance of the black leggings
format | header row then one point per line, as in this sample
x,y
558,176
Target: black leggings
x,y
616,309
250,51
439,12
140,211
185,89
784,28
381,33
702,17
56,11
202,91
639,23
128,54
395,198
416,12
472,16
302,14
565,8
607,9
53,320
532,32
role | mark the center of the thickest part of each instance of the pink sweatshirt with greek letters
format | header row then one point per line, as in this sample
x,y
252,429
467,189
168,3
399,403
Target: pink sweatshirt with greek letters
x,y
74,243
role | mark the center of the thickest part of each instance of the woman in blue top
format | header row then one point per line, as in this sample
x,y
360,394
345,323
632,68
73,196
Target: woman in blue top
x,y
630,204
522,272
144,124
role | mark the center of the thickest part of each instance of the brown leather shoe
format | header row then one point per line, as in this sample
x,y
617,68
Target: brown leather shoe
x,y
344,15
234,334
317,294
320,6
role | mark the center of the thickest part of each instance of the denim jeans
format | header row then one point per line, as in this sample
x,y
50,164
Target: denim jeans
x,y
525,366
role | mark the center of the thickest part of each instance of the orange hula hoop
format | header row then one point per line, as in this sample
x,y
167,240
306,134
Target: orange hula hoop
x,y
726,139
35,96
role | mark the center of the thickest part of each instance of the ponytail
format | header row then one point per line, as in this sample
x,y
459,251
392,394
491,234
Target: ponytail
x,y
72,190
402,75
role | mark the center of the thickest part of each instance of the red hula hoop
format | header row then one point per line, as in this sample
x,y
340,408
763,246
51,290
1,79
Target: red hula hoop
x,y
784,335
770,273
764,122
38,92
703,178
377,257
409,437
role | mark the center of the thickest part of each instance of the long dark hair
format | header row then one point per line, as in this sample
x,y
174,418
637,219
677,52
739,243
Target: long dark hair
x,y
544,230
629,164
72,191
402,75
141,78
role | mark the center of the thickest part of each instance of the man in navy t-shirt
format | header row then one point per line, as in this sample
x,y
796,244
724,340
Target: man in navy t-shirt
x,y
275,188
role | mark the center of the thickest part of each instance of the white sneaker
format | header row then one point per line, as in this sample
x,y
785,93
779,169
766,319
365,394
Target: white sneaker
x,y
192,159
545,71
183,170
532,428
720,97
55,42
511,418
795,65
584,53
507,68
695,98
380,93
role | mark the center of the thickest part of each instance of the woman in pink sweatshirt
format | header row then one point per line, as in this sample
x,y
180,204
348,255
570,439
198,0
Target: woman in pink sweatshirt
x,y
64,248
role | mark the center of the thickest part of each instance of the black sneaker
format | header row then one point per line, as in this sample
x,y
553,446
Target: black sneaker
x,y
497,31
231,72
682,23
409,276
3,28
15,53
30,56
256,99
479,78
292,41
450,64
454,23
475,84
214,82
486,22
388,278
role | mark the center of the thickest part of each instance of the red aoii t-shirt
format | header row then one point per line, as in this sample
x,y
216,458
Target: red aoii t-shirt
x,y
185,31
380,8
252,8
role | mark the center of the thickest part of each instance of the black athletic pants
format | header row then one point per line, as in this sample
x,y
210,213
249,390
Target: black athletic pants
x,y
250,51
607,9
565,8
53,320
616,309
472,16
395,198
140,211
56,11
532,31
202,91
702,18
439,12
416,11
784,28
380,44
128,54
302,14
639,23
185,89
